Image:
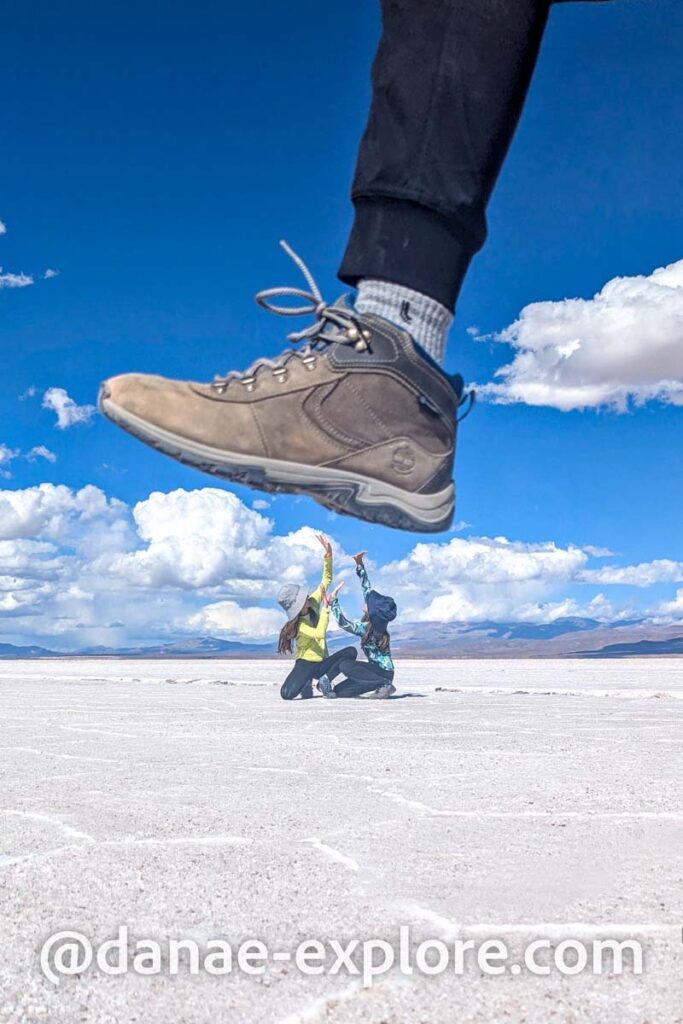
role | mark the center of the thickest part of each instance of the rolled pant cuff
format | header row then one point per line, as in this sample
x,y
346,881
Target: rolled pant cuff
x,y
409,244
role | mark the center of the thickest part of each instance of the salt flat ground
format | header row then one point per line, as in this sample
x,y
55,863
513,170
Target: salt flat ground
x,y
526,799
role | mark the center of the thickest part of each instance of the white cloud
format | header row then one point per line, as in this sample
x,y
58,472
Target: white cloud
x,y
662,570
52,513
194,539
624,345
260,504
207,540
232,621
79,568
30,392
47,537
7,454
68,412
485,560
8,280
480,578
40,451
11,280
670,611
460,525
77,560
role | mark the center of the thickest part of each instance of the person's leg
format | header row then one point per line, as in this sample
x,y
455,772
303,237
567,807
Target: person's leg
x,y
329,669
361,677
360,419
449,82
330,666
299,680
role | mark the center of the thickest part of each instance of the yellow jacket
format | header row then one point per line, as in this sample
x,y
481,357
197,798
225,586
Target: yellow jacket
x,y
310,640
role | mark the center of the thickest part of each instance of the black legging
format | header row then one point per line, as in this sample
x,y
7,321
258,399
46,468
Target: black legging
x,y
449,83
361,677
300,679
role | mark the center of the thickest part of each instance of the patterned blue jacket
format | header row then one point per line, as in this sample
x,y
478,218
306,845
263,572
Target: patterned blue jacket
x,y
370,649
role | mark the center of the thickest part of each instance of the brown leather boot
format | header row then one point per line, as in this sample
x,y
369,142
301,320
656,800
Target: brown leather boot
x,y
358,418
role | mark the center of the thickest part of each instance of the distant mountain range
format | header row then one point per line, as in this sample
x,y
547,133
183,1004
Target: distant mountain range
x,y
202,647
565,638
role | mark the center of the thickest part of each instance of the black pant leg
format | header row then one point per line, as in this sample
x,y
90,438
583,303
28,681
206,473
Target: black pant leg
x,y
331,665
299,680
449,82
361,677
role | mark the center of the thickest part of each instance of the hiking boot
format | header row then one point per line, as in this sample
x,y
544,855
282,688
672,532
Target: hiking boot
x,y
325,687
359,418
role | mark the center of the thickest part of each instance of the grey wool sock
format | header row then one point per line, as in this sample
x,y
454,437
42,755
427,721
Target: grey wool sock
x,y
425,319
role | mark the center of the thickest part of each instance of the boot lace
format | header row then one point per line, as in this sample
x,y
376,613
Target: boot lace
x,y
333,325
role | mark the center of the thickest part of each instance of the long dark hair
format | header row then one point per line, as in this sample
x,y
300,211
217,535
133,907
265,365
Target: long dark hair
x,y
290,629
381,639
288,635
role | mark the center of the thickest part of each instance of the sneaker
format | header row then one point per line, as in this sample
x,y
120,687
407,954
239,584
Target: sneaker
x,y
359,417
384,691
325,687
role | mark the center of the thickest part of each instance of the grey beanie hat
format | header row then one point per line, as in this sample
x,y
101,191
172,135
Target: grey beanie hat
x,y
292,598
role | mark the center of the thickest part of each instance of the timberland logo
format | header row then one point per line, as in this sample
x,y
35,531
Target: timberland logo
x,y
405,312
403,459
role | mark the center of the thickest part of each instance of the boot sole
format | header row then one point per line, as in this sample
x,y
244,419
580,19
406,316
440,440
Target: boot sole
x,y
337,489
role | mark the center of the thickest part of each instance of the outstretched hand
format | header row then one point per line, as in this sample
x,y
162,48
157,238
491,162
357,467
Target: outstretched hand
x,y
325,543
358,557
329,598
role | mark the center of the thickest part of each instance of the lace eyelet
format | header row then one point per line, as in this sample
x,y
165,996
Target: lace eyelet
x,y
309,362
281,374
248,383
219,387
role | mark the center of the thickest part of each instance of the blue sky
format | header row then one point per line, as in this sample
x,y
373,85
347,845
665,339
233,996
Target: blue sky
x,y
154,153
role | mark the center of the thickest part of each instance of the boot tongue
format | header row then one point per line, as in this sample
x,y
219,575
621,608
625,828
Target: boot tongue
x,y
343,302
320,345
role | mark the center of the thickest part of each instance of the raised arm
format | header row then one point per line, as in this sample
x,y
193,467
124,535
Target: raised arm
x,y
357,628
362,573
326,578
